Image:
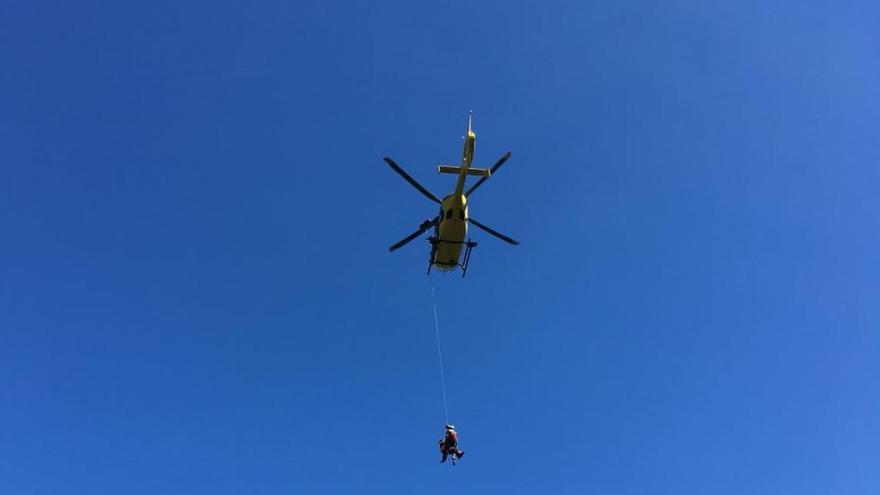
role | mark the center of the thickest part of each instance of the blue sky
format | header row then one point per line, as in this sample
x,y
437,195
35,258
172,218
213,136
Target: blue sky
x,y
196,294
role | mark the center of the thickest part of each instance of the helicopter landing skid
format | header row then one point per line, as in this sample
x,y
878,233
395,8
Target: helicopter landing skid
x,y
469,245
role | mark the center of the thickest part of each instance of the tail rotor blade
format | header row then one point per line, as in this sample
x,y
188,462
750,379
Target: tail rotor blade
x,y
427,224
412,181
493,232
492,170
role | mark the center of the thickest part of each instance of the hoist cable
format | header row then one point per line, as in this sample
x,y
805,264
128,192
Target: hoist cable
x,y
440,356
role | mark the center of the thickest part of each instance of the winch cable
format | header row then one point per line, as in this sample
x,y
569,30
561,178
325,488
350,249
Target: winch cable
x,y
440,356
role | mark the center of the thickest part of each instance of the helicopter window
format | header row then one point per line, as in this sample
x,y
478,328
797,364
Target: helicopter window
x,y
461,215
449,213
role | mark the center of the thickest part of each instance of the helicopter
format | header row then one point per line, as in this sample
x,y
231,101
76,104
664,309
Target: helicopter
x,y
451,223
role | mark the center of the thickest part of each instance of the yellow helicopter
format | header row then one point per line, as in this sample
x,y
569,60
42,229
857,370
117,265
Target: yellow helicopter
x,y
451,224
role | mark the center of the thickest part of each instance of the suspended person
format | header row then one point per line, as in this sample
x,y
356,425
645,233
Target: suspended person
x,y
449,445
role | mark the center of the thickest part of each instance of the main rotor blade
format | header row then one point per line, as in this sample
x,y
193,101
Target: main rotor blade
x,y
493,232
412,181
427,224
492,170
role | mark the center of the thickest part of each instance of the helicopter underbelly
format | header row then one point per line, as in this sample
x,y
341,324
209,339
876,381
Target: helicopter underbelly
x,y
451,237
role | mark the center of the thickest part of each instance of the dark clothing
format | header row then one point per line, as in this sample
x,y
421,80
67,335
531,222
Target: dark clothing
x,y
449,445
451,439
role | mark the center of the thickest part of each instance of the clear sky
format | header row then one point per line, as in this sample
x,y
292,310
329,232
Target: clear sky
x,y
196,294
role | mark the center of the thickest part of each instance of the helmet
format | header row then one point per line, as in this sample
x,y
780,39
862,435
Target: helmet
x,y
450,427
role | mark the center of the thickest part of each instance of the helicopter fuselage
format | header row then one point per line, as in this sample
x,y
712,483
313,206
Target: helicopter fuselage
x,y
450,233
451,229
